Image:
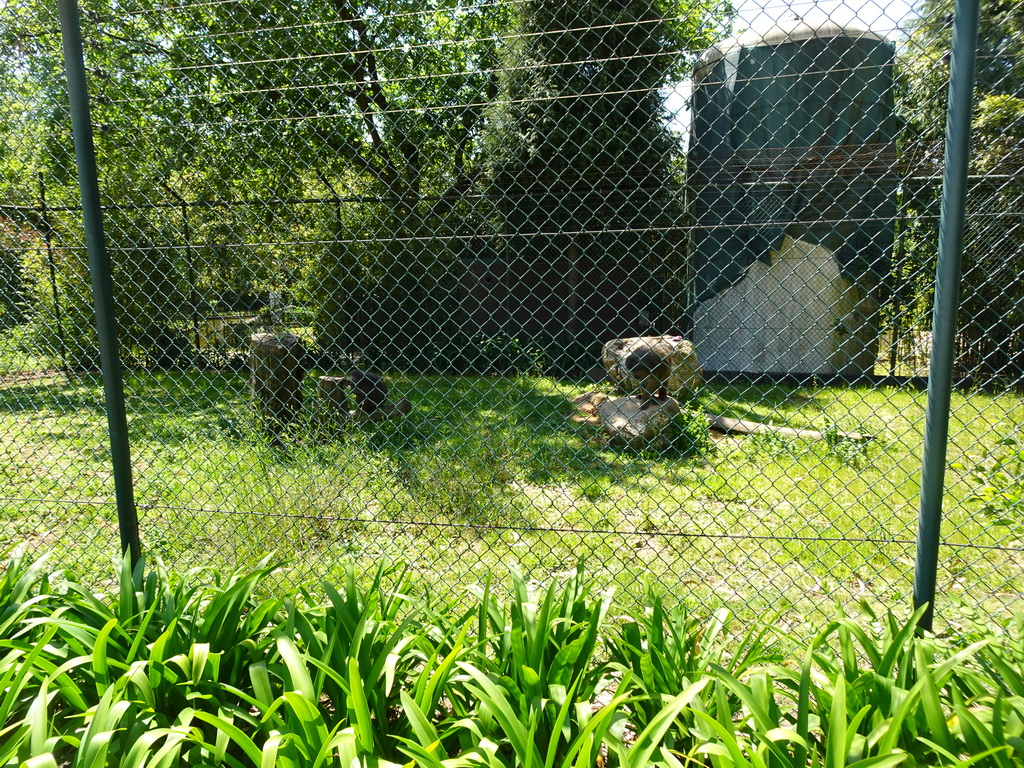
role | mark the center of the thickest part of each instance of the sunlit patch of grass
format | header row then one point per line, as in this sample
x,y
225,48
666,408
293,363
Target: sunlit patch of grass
x,y
486,472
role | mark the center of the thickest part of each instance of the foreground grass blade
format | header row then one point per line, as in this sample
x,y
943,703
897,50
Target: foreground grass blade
x,y
650,738
234,733
359,708
497,702
298,674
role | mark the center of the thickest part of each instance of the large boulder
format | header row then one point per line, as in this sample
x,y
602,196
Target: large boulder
x,y
638,423
682,372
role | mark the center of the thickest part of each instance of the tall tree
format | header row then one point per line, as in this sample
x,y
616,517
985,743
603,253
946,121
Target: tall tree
x,y
37,161
990,340
215,120
374,103
582,157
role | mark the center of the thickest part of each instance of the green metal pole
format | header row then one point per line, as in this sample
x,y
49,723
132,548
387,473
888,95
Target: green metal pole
x,y
99,268
947,292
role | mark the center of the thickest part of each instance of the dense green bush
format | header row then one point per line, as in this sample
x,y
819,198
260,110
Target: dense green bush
x,y
997,482
59,309
14,239
215,670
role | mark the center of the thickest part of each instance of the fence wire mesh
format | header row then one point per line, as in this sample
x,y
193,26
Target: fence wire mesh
x,y
474,202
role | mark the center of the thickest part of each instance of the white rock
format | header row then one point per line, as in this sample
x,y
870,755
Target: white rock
x,y
638,424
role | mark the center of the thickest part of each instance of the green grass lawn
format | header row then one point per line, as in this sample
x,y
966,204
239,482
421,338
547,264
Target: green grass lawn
x,y
487,472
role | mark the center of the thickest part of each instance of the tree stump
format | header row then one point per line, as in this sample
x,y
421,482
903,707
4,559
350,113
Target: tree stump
x,y
277,364
333,393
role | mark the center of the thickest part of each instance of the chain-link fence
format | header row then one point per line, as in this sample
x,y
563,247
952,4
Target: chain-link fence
x,y
370,262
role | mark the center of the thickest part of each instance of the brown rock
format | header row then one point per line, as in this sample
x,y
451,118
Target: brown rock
x,y
588,402
586,406
638,423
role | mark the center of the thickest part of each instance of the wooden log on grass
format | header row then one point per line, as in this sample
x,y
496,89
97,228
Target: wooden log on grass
x,y
333,392
726,425
277,364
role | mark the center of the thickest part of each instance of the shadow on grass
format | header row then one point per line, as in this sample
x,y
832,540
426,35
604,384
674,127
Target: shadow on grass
x,y
520,438
54,395
761,402
467,441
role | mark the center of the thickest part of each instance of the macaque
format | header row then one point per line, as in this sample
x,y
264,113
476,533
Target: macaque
x,y
371,390
650,371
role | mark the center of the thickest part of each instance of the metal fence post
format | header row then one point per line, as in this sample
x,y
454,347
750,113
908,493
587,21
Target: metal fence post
x,y
947,289
99,268
44,216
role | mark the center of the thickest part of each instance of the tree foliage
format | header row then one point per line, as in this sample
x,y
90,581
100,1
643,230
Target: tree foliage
x,y
581,158
215,124
990,342
334,151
